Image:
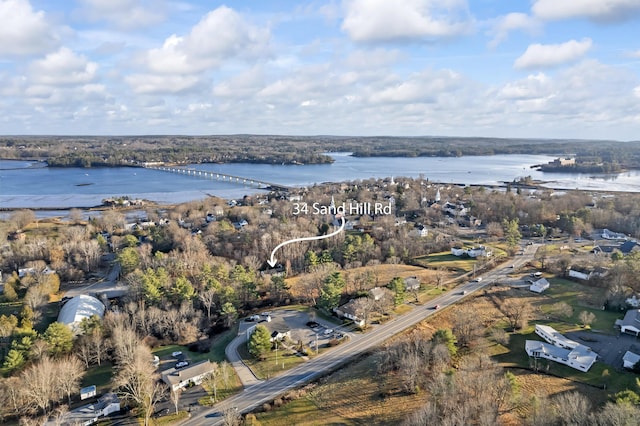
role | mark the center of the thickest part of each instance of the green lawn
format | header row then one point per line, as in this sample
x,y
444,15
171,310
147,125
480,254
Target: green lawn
x,y
268,367
572,293
99,375
220,342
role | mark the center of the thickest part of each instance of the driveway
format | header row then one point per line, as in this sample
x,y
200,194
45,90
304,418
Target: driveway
x,y
610,348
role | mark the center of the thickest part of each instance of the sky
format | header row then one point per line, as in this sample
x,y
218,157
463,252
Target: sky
x,y
494,68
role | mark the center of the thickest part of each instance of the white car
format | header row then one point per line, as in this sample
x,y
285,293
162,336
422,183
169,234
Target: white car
x,y
176,354
181,364
328,331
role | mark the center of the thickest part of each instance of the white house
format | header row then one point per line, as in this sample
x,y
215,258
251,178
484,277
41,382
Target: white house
x,y
631,322
539,286
196,373
419,231
351,311
458,251
630,359
579,274
560,349
89,414
610,235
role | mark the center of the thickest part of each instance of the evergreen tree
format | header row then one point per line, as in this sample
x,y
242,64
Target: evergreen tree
x,y
260,341
13,361
397,286
445,336
331,291
59,338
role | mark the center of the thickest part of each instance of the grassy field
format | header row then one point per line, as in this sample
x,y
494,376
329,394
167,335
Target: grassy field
x,y
273,363
99,375
580,298
456,264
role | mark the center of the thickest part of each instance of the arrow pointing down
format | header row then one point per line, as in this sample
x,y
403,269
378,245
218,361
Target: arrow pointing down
x,y
272,262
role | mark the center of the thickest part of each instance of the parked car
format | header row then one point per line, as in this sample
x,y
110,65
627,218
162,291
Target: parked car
x,y
328,331
176,354
181,364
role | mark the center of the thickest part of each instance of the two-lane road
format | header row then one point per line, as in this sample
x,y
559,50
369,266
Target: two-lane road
x,y
267,390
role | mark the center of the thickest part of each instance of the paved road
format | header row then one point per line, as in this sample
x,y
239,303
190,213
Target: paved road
x,y
265,391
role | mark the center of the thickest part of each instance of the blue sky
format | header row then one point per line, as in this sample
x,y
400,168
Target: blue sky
x,y
539,68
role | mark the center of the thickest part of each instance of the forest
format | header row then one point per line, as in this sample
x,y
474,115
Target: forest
x,y
93,151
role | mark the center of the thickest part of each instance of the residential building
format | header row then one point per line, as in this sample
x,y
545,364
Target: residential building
x,y
91,413
560,349
193,374
412,283
630,323
539,286
352,311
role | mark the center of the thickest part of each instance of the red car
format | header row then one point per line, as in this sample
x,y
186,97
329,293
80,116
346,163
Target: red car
x,y
436,307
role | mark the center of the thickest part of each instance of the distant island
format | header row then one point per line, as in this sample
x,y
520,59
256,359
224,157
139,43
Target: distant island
x,y
115,151
583,165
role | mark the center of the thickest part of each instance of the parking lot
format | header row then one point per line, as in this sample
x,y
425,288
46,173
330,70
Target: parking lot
x,y
610,348
299,324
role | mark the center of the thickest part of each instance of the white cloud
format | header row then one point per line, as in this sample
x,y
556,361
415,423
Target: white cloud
x,y
511,22
383,20
62,67
636,92
423,87
220,36
634,54
596,10
533,86
162,84
550,55
125,14
24,31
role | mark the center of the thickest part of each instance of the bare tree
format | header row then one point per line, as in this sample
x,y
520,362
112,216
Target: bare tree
x,y
586,318
517,312
467,326
208,299
572,408
69,374
175,397
137,382
39,385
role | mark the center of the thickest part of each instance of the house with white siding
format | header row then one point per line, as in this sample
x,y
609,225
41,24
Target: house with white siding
x,y
560,349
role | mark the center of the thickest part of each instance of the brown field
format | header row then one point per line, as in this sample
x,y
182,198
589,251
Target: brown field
x,y
382,275
353,395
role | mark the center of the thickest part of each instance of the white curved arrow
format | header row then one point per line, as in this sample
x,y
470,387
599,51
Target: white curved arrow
x,y
272,262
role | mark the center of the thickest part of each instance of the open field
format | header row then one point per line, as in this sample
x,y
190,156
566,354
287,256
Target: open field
x,y
352,396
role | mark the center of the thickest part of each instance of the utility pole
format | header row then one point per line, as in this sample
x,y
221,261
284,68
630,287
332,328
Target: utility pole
x,y
276,352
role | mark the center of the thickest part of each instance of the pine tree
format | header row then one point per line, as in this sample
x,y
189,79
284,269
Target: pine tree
x,y
260,341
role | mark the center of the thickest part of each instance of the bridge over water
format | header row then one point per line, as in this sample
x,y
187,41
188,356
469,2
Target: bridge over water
x,y
220,176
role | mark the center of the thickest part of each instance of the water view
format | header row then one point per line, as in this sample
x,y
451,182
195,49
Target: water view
x,y
31,185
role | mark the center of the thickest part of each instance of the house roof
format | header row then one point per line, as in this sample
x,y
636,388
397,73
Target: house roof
x,y
78,308
628,246
631,357
174,376
631,319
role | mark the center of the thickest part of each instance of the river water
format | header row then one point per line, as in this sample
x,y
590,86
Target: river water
x,y
28,185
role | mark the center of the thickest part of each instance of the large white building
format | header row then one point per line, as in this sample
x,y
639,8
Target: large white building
x,y
560,349
78,308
